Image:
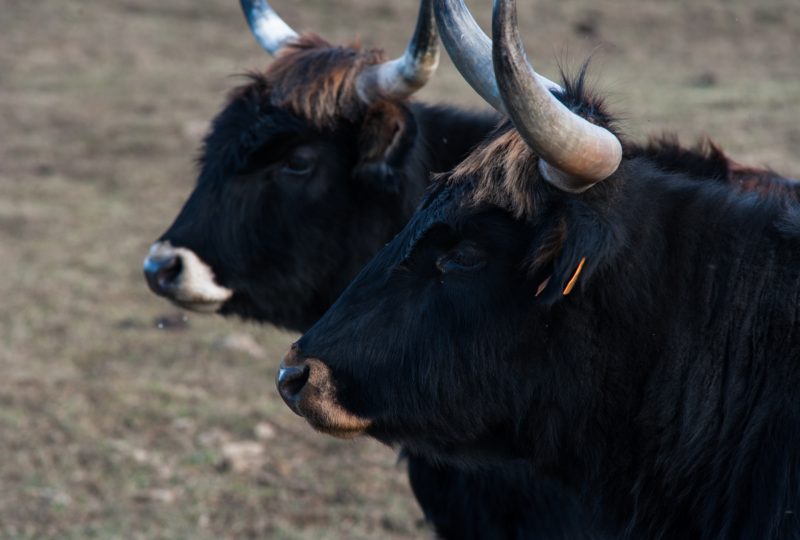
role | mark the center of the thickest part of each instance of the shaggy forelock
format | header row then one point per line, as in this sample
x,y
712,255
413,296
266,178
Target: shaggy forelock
x,y
503,170
316,80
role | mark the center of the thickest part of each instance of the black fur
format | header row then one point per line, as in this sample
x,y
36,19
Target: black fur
x,y
662,392
707,162
287,245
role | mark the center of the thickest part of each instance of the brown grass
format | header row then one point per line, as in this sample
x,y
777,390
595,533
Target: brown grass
x,y
112,428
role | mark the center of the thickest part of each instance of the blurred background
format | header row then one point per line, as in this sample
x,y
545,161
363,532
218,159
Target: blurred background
x,y
120,417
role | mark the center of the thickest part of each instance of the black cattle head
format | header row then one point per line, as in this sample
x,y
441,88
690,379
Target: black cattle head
x,y
471,334
302,178
431,345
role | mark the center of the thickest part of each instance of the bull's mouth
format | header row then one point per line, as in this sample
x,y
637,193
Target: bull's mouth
x,y
308,389
199,306
340,432
332,419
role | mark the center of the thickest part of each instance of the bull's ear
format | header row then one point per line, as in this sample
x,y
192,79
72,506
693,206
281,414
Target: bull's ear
x,y
385,140
564,256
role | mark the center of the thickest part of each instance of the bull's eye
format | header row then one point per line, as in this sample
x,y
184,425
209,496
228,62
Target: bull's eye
x,y
464,257
301,162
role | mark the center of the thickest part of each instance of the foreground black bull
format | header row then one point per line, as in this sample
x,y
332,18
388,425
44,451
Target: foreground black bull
x,y
560,300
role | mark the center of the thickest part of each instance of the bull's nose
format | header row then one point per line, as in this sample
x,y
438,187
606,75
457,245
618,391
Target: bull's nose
x,y
162,271
290,381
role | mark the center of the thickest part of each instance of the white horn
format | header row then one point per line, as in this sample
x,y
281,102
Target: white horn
x,y
471,51
403,76
576,153
268,28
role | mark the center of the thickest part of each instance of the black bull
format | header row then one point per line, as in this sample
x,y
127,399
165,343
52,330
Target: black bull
x,y
286,212
636,344
270,240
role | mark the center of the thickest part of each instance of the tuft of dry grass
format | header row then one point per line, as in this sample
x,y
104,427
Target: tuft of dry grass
x,y
112,428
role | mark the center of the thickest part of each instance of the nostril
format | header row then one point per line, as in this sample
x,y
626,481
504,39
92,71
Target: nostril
x,y
290,382
169,271
292,379
162,272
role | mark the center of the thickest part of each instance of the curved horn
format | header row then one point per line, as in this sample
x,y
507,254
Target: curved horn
x,y
268,28
471,51
403,76
575,153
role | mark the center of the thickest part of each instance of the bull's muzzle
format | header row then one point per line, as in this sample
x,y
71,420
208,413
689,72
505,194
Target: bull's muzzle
x,y
179,275
307,386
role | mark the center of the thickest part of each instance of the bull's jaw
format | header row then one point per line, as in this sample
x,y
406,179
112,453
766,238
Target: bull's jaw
x,y
327,416
206,308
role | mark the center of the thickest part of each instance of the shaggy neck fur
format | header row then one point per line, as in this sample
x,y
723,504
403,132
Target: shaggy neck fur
x,y
692,286
708,320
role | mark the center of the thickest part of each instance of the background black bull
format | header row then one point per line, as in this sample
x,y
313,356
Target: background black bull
x,y
636,342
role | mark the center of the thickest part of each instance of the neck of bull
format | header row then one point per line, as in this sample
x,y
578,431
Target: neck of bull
x,y
684,354
449,134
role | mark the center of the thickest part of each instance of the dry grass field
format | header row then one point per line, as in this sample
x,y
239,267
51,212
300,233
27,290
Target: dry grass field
x,y
111,427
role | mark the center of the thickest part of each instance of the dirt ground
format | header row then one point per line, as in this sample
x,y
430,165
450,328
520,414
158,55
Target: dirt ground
x,y
111,427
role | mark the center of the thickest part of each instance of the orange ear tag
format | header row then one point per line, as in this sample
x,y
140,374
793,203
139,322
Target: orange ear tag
x,y
574,279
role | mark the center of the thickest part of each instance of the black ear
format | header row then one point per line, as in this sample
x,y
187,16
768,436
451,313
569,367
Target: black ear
x,y
566,252
385,141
